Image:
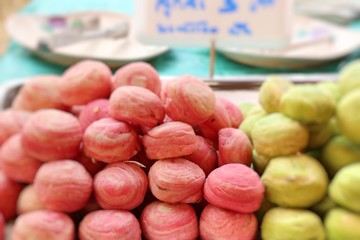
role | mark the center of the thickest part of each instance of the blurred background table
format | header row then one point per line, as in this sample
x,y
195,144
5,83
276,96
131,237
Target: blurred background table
x,y
6,9
17,62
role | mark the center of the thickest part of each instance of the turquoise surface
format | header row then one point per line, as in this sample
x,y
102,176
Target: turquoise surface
x,y
17,62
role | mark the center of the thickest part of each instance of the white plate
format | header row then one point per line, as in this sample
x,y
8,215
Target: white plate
x,y
27,30
339,43
237,89
235,95
5,89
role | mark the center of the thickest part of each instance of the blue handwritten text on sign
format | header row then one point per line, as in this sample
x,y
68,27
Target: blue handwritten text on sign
x,y
202,26
245,23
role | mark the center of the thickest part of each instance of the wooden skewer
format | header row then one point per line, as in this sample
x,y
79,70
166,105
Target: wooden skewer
x,y
212,59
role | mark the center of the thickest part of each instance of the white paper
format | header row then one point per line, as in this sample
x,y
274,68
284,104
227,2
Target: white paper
x,y
240,23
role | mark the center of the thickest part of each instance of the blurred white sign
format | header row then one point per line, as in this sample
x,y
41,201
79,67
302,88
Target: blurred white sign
x,y
242,23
